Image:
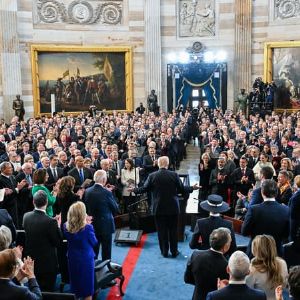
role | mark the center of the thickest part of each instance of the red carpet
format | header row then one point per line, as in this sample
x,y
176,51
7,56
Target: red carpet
x,y
128,268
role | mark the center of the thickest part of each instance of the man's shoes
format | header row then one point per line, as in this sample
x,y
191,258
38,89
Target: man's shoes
x,y
174,255
165,255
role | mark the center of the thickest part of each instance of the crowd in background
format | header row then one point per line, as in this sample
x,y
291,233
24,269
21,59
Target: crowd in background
x,y
49,164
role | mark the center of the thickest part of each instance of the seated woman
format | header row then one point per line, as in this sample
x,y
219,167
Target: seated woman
x,y
40,177
242,205
81,243
267,270
9,266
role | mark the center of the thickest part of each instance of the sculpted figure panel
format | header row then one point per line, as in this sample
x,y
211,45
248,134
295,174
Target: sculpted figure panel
x,y
78,12
196,18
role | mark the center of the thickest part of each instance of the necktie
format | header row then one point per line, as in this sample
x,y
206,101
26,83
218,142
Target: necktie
x,y
81,176
54,174
28,179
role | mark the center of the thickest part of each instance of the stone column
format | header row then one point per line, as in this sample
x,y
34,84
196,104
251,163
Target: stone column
x,y
10,64
243,31
153,48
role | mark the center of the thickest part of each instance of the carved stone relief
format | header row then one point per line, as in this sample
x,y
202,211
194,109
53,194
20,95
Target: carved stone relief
x,y
196,18
78,12
286,9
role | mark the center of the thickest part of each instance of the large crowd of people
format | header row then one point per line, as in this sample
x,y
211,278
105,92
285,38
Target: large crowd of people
x,y
72,175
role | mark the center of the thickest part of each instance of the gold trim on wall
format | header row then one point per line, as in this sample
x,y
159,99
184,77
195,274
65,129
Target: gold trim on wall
x,y
268,63
268,50
36,49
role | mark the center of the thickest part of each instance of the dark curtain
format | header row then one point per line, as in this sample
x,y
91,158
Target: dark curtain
x,y
206,76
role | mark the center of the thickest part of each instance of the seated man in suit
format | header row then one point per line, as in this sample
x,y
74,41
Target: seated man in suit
x,y
269,217
204,227
206,266
238,269
8,267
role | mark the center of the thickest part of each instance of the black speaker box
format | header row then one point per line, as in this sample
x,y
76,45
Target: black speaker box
x,y
143,222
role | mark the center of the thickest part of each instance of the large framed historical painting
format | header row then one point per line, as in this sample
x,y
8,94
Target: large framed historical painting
x,y
282,65
71,78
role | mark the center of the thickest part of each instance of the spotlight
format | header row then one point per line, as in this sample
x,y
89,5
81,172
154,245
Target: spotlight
x,y
208,57
221,56
172,57
184,57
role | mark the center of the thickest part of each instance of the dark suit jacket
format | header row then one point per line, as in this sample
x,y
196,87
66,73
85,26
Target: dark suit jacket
x,y
102,206
164,185
239,186
294,205
42,238
203,229
256,197
51,181
236,292
252,162
269,217
148,164
285,197
203,270
10,290
74,173
6,220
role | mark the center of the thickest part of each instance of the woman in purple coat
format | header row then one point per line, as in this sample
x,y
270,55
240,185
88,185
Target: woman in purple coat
x,y
81,242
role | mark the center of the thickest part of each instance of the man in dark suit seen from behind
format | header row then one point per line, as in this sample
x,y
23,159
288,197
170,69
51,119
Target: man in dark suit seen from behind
x,y
205,267
204,227
164,186
265,173
80,173
43,237
269,217
102,206
236,288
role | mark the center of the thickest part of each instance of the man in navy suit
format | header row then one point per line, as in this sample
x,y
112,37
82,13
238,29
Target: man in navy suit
x,y
269,217
238,269
102,206
265,173
165,185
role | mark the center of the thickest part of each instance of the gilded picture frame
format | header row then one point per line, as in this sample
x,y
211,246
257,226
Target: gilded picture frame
x,y
282,65
70,79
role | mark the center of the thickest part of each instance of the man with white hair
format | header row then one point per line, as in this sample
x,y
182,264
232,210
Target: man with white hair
x,y
102,206
164,186
238,268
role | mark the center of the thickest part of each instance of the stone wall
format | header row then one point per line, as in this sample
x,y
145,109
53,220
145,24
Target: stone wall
x,y
22,25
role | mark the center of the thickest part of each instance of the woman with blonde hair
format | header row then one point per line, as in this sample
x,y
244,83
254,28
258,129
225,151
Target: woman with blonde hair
x,y
81,243
267,270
